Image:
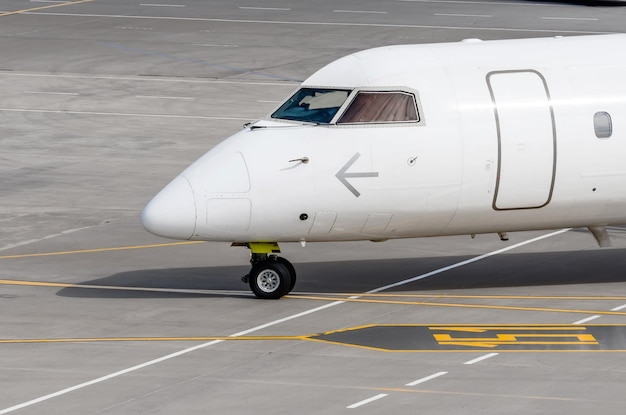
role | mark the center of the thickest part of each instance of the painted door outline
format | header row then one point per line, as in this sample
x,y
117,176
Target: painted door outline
x,y
537,193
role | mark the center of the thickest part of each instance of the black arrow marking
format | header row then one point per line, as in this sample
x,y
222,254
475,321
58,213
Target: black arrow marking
x,y
342,175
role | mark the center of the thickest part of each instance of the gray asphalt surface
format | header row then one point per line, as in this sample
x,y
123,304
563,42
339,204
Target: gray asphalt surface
x,y
103,102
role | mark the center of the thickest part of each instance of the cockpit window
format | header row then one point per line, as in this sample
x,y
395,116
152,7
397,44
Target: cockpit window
x,y
381,107
312,105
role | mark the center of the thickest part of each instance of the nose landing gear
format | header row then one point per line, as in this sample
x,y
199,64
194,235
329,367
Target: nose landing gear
x,y
271,276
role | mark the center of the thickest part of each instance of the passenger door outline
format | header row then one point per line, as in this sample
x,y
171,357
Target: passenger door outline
x,y
516,188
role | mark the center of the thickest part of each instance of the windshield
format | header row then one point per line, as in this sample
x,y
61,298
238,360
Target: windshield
x,y
312,105
381,107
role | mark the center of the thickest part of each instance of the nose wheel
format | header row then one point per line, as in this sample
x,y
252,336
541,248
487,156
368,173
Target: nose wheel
x,y
271,276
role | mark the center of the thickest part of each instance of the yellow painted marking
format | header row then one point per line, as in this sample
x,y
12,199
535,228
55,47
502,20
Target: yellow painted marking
x,y
36,284
154,339
513,339
347,300
119,288
491,307
314,338
89,251
469,350
69,3
487,395
483,329
476,297
477,344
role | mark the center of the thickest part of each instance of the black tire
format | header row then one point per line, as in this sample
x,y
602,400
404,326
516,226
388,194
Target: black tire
x,y
292,272
270,279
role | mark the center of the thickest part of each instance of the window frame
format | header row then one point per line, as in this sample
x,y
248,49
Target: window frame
x,y
398,90
349,91
603,125
354,91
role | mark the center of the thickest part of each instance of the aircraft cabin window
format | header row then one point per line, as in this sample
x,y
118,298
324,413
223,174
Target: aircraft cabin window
x,y
602,124
312,105
381,107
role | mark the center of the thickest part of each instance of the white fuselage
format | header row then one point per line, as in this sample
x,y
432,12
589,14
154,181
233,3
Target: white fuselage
x,y
512,135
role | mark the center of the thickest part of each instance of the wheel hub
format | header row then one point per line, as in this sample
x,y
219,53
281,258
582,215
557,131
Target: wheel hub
x,y
268,280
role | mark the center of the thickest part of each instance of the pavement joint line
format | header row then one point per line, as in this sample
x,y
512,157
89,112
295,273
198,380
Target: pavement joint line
x,y
239,334
24,11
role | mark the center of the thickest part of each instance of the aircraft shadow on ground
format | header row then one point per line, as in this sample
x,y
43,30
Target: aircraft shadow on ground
x,y
501,271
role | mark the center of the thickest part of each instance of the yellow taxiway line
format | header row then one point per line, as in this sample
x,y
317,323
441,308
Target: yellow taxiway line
x,y
155,339
89,251
325,298
433,304
473,347
69,3
340,296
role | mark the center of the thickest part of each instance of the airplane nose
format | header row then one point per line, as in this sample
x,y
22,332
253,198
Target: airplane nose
x,y
172,212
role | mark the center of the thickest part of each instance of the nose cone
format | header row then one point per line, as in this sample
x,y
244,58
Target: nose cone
x,y
172,212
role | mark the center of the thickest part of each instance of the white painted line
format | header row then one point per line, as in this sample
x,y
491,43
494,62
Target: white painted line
x,y
123,114
254,329
133,28
360,11
159,360
163,97
479,2
619,308
312,23
463,15
52,93
276,9
292,317
466,262
32,241
147,78
107,377
480,359
161,5
426,379
214,45
368,400
585,320
571,18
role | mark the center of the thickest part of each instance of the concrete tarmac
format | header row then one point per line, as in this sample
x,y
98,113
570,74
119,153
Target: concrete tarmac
x,y
103,102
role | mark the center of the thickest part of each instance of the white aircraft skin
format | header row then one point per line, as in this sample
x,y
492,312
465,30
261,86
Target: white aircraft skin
x,y
512,135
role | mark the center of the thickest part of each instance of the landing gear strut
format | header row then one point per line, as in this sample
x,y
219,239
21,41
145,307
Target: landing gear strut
x,y
271,276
